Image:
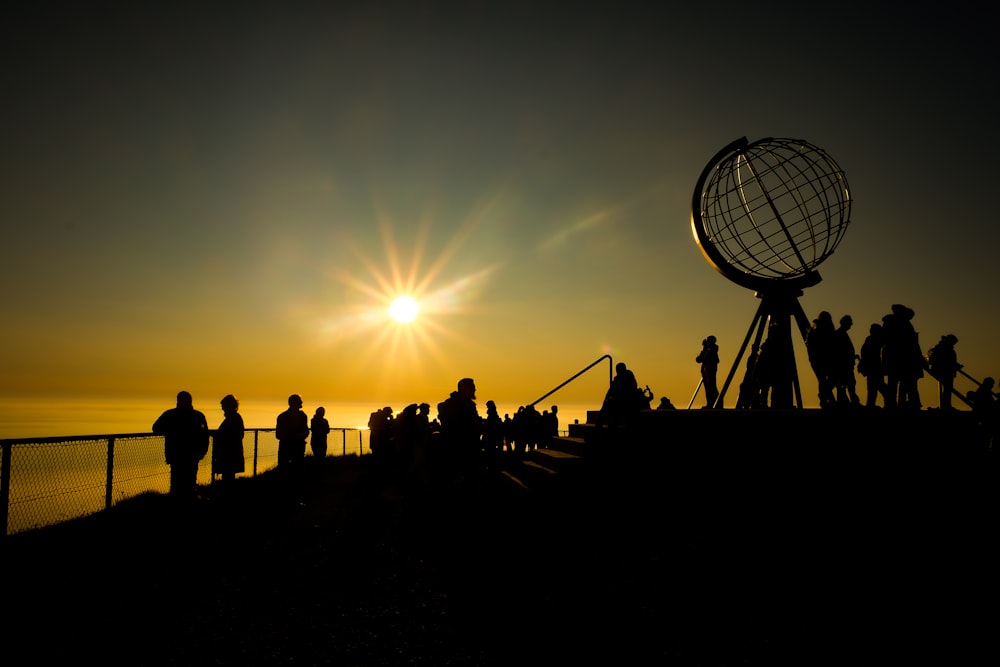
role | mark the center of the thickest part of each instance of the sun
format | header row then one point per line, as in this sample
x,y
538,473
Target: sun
x,y
404,309
401,309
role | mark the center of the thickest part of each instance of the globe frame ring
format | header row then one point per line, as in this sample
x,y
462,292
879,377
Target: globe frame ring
x,y
834,202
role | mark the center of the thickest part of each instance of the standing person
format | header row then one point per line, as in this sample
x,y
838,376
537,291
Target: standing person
x,y
551,425
292,429
405,434
749,390
461,429
842,370
709,360
942,362
419,474
227,447
902,359
185,437
870,364
380,438
492,434
821,351
914,365
319,428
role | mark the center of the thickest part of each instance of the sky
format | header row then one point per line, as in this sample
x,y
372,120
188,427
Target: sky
x,y
225,199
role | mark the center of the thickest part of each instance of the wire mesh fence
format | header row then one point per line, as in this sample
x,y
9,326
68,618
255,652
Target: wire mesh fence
x,y
44,481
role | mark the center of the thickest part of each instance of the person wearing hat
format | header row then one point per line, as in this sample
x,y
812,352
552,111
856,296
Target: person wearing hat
x,y
942,363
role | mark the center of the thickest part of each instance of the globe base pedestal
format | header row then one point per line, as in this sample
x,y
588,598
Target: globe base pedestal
x,y
771,377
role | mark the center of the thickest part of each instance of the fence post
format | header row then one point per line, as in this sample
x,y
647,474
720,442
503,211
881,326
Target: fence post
x,y
5,487
256,434
343,440
110,473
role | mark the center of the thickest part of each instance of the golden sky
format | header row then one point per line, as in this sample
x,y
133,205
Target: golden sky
x,y
229,203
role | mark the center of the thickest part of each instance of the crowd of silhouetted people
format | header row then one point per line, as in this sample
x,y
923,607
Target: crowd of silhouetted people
x,y
458,443
891,361
186,439
453,446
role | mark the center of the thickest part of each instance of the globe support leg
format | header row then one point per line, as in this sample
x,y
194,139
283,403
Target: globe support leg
x,y
774,315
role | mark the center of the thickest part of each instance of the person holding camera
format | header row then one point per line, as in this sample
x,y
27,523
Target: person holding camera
x,y
709,360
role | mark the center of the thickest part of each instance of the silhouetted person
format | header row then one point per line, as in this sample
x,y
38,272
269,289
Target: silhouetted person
x,y
380,437
227,446
646,398
406,431
764,373
870,365
419,474
709,360
984,407
292,430
942,363
621,402
549,426
492,434
821,350
515,432
665,404
749,388
552,425
902,359
981,398
531,428
461,429
982,401
776,372
844,379
319,431
508,433
185,437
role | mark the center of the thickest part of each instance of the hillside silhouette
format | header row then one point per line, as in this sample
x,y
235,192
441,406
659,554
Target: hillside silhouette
x,y
710,555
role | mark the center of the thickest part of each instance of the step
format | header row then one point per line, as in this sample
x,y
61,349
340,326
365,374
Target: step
x,y
530,475
571,444
552,459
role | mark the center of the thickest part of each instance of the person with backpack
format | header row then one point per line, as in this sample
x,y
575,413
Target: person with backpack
x,y
942,363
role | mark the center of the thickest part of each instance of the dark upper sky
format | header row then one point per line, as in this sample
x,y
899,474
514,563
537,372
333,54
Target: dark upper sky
x,y
195,192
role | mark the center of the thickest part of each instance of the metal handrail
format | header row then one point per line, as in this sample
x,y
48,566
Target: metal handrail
x,y
975,381
611,368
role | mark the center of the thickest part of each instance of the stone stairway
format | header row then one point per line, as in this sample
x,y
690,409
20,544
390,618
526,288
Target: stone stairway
x,y
547,468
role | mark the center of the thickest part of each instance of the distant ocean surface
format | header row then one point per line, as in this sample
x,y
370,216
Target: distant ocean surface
x,y
56,417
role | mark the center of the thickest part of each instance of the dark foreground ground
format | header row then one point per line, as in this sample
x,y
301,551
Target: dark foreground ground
x,y
721,555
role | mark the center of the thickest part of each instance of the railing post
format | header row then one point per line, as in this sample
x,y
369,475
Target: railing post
x,y
343,440
5,487
110,474
256,434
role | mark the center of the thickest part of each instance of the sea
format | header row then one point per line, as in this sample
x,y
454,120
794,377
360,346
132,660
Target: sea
x,y
62,417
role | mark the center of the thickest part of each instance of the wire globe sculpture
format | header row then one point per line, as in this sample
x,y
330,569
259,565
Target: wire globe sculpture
x,y
767,214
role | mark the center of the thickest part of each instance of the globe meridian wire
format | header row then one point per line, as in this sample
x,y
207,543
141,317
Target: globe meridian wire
x,y
767,214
